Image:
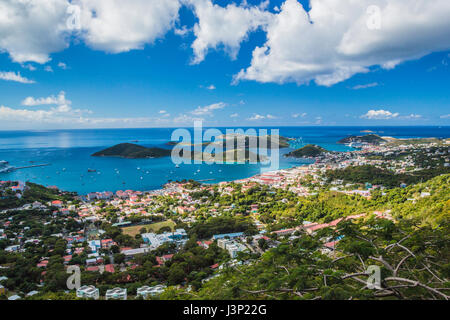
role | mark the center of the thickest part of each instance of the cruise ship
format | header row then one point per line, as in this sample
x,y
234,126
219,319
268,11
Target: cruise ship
x,y
5,167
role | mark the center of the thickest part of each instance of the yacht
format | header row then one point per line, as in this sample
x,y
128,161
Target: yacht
x,y
5,167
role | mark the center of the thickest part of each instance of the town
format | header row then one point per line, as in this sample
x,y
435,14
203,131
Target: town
x,y
154,244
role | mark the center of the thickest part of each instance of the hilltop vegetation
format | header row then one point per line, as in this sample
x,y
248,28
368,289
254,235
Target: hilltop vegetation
x,y
387,178
369,138
412,252
132,151
309,150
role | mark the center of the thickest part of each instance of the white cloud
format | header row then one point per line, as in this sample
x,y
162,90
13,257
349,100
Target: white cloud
x,y
211,87
224,26
162,111
51,100
332,41
16,77
365,86
412,116
207,110
29,67
319,120
48,69
115,26
445,116
298,115
62,65
32,29
182,31
234,115
256,117
380,115
261,117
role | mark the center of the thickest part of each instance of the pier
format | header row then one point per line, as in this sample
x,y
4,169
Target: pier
x,y
33,166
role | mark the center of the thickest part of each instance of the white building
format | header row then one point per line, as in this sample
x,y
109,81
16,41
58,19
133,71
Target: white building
x,y
231,246
154,240
116,294
90,292
146,291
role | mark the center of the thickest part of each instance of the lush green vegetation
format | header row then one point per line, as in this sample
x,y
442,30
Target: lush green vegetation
x,y
309,150
369,138
218,225
387,178
413,262
132,151
33,192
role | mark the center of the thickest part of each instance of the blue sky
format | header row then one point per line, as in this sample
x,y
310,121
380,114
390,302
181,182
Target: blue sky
x,y
156,83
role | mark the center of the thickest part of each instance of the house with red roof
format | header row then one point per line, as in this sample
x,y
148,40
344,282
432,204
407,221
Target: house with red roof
x,y
109,268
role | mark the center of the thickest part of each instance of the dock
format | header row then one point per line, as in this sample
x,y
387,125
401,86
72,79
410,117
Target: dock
x,y
33,166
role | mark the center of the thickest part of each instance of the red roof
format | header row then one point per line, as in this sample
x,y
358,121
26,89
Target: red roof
x,y
214,266
109,268
93,269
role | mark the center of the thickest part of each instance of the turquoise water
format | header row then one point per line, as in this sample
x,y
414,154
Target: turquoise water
x,y
68,153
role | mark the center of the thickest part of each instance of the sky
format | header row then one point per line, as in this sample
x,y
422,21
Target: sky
x,y
152,63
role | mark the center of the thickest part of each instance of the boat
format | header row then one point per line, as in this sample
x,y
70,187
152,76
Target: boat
x,y
177,166
92,170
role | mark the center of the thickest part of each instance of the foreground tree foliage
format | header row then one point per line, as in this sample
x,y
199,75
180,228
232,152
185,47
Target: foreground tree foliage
x,y
413,263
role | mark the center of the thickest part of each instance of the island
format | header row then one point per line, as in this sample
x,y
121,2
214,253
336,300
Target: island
x,y
132,151
307,151
263,142
369,139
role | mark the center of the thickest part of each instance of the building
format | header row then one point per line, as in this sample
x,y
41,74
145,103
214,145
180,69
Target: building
x,y
130,253
179,236
146,291
116,294
89,292
231,246
228,235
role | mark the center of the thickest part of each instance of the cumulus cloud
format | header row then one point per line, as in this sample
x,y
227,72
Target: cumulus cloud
x,y
32,29
224,27
60,99
115,26
62,65
327,42
445,116
234,115
261,117
207,110
16,77
60,114
298,115
334,40
380,115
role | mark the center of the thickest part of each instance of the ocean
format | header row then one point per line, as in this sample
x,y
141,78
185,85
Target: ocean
x,y
68,153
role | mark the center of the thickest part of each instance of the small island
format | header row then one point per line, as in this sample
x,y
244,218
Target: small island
x,y
307,151
268,141
132,151
369,138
